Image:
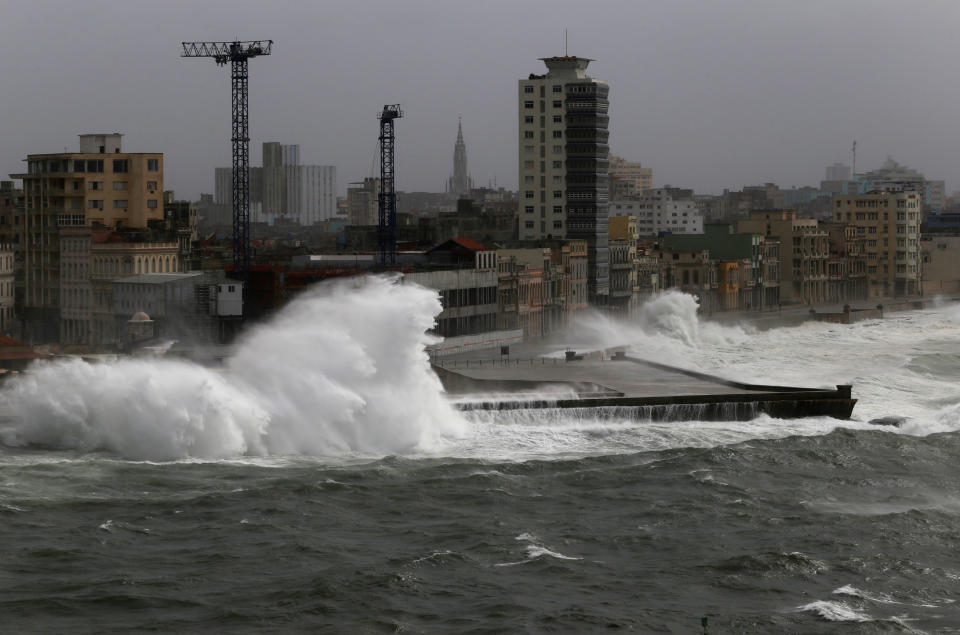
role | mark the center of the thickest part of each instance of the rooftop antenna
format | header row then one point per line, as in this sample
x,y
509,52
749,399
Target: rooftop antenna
x,y
565,43
853,170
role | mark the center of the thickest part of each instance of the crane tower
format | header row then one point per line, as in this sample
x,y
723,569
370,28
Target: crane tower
x,y
237,54
387,223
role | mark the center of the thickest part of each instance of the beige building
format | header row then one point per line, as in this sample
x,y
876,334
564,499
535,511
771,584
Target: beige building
x,y
628,178
941,265
890,224
804,253
363,202
98,186
90,260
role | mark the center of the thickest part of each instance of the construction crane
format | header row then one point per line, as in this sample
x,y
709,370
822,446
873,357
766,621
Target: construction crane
x,y
237,54
387,225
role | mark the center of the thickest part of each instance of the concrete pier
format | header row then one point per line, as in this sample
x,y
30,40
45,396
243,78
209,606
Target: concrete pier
x,y
614,380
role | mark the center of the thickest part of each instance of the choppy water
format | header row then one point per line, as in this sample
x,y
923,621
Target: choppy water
x,y
292,493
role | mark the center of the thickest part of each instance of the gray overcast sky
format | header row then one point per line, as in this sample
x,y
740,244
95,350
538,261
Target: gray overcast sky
x,y
709,93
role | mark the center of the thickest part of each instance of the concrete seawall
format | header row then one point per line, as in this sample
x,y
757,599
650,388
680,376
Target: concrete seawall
x,y
631,387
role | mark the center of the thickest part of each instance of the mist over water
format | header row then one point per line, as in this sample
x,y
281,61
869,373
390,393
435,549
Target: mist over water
x,y
341,370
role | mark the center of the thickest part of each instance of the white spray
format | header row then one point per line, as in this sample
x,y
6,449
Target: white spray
x,y
342,369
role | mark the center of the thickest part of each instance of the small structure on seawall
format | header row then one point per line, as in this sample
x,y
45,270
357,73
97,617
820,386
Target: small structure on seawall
x,y
631,386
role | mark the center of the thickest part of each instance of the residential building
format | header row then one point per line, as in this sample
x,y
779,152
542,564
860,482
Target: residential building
x,y
804,251
892,176
7,289
756,260
363,202
890,223
941,265
563,159
664,210
98,186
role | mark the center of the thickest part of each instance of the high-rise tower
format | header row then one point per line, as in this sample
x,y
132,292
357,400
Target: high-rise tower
x,y
460,183
564,162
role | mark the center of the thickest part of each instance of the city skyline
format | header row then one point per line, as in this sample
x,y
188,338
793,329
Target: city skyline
x,y
702,95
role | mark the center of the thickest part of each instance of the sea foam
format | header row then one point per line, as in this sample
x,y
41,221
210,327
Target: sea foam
x,y
341,369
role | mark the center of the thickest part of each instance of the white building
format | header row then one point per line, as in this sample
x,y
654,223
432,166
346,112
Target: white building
x,y
564,161
318,193
661,210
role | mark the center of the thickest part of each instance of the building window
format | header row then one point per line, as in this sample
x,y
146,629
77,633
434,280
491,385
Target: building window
x,y
153,165
528,165
558,134
151,185
558,149
558,103
558,194
557,88
558,119
119,204
528,134
78,165
528,209
528,194
95,185
558,209
528,104
95,204
528,178
95,165
120,166
528,89
152,203
558,165
558,224
119,185
528,224
528,119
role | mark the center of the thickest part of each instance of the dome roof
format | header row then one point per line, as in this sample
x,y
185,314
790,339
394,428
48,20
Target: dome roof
x,y
140,316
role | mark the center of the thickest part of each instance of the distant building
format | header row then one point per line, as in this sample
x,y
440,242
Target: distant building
x,y
892,176
837,172
890,223
318,193
804,251
628,178
282,187
460,183
563,158
363,202
661,210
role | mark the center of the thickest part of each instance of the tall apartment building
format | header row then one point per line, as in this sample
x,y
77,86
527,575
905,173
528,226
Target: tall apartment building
x,y
804,252
563,161
98,186
628,178
890,223
662,210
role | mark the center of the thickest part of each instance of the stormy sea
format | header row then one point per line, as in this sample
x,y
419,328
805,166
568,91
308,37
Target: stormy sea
x,y
321,481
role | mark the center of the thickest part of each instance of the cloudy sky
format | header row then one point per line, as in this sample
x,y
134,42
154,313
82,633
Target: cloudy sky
x,y
709,93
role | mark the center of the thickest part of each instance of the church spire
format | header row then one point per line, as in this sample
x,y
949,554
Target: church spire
x,y
460,183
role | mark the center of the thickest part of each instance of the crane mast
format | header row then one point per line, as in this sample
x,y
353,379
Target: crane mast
x,y
237,54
